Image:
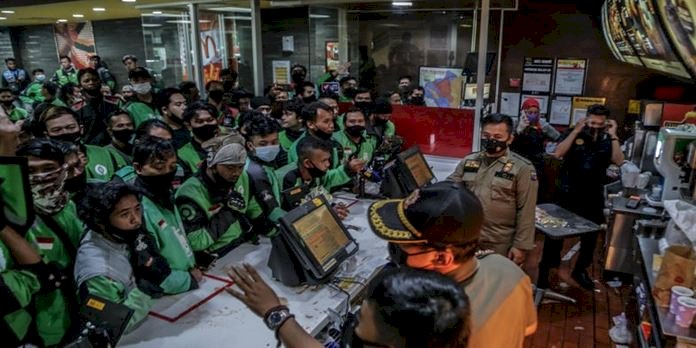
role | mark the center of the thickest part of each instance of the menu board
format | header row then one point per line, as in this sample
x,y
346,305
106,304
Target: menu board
x,y
679,22
614,10
607,36
645,35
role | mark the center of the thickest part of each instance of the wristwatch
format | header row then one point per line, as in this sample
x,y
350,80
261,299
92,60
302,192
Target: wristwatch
x,y
276,316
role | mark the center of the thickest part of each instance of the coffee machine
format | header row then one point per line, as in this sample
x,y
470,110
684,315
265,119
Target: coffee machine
x,y
672,160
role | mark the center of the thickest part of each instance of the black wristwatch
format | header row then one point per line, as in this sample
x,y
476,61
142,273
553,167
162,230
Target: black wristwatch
x,y
276,317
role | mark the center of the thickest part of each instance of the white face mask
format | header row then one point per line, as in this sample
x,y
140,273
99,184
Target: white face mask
x,y
40,77
142,88
267,153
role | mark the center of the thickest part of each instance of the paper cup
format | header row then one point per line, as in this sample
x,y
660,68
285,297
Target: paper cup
x,y
678,291
685,311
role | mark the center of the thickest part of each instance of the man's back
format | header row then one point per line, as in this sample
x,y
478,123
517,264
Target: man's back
x,y
502,304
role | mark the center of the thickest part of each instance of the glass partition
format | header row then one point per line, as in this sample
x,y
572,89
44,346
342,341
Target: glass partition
x,y
166,34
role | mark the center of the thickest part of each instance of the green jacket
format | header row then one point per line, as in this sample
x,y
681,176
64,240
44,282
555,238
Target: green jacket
x,y
338,173
63,77
128,175
17,114
167,230
190,157
122,159
51,308
103,268
209,224
289,177
293,154
141,112
261,191
32,94
22,286
363,150
101,163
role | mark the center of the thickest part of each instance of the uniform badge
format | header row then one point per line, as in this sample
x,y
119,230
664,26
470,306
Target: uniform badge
x,y
507,168
187,212
534,175
471,166
100,169
579,141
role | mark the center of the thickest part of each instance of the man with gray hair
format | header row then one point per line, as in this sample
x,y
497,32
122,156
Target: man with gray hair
x,y
209,206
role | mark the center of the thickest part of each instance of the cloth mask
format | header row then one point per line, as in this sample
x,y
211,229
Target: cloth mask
x,y
315,172
47,191
68,137
205,132
593,132
355,131
322,135
533,117
493,146
124,135
159,184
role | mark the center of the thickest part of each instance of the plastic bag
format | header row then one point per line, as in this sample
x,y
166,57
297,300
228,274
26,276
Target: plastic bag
x,y
619,333
684,216
629,174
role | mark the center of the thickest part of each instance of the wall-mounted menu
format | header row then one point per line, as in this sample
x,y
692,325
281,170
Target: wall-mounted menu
x,y
644,32
615,11
607,36
679,19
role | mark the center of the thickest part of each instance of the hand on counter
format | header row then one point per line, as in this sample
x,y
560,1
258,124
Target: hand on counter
x,y
341,210
255,294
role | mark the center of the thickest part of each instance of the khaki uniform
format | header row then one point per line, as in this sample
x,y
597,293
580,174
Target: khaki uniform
x,y
507,189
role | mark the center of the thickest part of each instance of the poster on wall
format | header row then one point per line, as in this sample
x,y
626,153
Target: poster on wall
x,y
510,104
679,18
580,105
332,61
560,110
443,86
536,74
211,43
281,72
75,40
570,76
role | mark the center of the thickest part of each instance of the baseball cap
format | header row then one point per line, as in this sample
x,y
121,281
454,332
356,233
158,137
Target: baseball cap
x,y
442,213
530,103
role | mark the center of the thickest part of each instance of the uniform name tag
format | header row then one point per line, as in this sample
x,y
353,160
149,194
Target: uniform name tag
x,y
471,166
504,175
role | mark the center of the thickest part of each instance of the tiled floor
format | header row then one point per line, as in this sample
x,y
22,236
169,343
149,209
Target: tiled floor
x,y
585,324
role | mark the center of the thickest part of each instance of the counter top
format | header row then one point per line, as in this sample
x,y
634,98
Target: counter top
x,y
619,205
668,327
577,225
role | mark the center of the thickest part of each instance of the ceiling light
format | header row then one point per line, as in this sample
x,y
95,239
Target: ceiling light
x,y
3,18
98,9
150,25
318,16
7,11
156,12
128,0
230,9
62,20
402,3
77,15
179,22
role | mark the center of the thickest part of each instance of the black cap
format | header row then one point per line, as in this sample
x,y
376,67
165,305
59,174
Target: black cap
x,y
382,106
443,213
139,72
259,101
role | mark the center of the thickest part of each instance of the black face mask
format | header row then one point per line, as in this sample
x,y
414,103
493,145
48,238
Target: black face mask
x,y
350,91
68,137
310,99
76,184
298,77
206,132
159,184
355,131
123,236
216,95
493,146
418,101
124,136
321,134
380,121
315,172
365,107
228,85
7,103
222,182
593,133
396,255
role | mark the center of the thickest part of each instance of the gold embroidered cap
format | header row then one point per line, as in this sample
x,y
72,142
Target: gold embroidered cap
x,y
442,213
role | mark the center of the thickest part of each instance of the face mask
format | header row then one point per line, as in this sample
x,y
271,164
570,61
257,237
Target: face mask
x,y
48,191
142,88
216,95
380,121
298,77
355,131
228,85
349,91
417,101
40,78
493,146
315,172
7,103
593,132
267,153
533,117
321,134
366,107
125,136
396,255
221,182
159,184
206,132
310,99
68,137
76,183
123,236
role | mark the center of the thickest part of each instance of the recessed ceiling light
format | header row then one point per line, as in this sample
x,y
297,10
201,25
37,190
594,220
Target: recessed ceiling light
x,y
3,18
156,12
98,9
62,20
402,3
7,11
77,15
128,0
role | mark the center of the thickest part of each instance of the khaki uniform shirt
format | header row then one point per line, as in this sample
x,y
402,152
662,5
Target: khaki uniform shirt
x,y
501,300
507,189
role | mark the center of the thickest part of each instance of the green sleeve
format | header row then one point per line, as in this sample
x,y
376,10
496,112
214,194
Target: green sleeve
x,y
196,224
292,153
177,282
390,131
110,290
22,285
328,76
335,177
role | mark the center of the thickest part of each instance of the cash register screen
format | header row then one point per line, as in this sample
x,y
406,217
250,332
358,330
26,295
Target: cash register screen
x,y
322,235
418,167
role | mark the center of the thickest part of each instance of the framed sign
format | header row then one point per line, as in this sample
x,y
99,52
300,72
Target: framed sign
x,y
560,110
443,86
580,105
536,74
570,76
332,61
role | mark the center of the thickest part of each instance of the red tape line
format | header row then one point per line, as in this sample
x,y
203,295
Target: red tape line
x,y
190,309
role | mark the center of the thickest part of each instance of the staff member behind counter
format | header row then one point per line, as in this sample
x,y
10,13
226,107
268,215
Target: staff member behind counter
x,y
506,184
587,151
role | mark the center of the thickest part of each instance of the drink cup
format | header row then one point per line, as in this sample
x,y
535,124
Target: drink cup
x,y
678,291
685,311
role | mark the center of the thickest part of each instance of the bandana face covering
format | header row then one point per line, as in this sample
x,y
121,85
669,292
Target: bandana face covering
x,y
47,190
